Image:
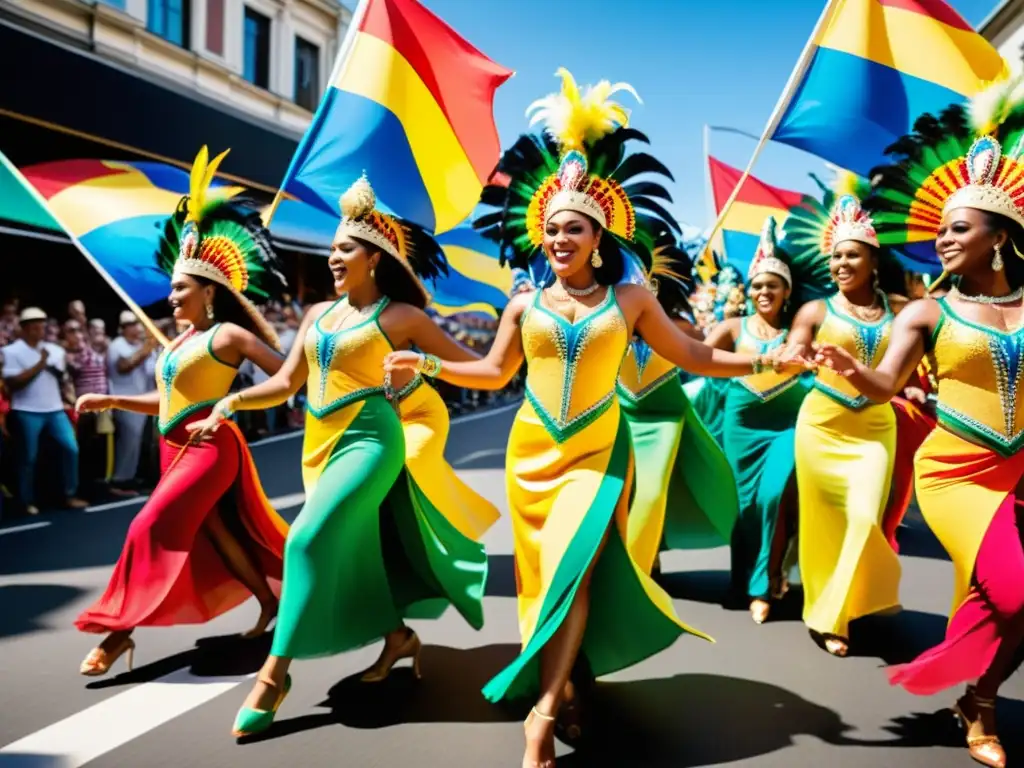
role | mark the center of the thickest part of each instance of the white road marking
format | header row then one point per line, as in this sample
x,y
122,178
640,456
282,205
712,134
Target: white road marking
x,y
115,504
485,414
115,721
26,527
478,455
289,500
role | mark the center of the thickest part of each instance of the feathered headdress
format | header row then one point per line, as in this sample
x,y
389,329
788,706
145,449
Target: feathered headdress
x,y
967,157
668,274
580,164
766,257
221,238
404,241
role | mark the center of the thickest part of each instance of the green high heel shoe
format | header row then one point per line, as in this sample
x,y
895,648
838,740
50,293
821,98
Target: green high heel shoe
x,y
249,722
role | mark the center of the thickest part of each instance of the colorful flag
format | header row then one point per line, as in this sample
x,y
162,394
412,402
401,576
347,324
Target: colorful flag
x,y
877,65
410,103
755,202
476,281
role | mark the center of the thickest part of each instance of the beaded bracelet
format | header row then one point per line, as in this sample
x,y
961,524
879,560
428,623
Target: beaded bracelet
x,y
429,365
225,409
757,364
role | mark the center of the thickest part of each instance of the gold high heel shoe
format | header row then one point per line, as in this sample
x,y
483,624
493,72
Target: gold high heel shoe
x,y
99,662
983,748
837,646
411,648
526,727
759,610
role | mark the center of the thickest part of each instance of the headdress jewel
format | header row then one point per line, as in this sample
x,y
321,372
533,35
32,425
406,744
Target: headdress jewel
x,y
848,221
575,121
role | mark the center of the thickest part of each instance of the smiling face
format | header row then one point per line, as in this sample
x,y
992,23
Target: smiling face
x,y
350,263
569,240
74,334
189,298
851,265
768,292
965,241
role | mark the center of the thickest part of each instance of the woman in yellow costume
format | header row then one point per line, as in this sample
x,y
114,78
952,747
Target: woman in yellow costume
x,y
845,445
207,539
377,541
759,420
965,188
569,461
685,492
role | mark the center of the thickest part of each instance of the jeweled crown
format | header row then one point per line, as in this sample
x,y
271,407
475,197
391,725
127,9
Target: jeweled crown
x,y
995,183
765,258
848,221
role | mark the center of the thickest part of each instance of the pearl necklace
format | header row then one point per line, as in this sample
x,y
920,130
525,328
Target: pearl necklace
x,y
579,293
981,299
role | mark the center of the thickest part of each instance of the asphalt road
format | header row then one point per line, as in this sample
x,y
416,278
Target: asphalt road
x,y
761,696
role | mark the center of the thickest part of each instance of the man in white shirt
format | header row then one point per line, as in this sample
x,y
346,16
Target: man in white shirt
x,y
33,371
127,375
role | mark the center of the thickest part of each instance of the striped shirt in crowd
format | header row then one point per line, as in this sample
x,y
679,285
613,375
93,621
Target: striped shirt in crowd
x,y
88,371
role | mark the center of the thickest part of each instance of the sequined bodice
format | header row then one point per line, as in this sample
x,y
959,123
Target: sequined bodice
x,y
978,370
644,371
345,365
766,385
866,341
572,367
189,377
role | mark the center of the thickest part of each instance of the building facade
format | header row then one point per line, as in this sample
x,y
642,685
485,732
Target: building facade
x,y
1004,28
156,79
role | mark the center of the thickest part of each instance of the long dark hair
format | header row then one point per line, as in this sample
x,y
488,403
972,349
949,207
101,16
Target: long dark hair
x,y
1014,264
392,279
613,263
228,309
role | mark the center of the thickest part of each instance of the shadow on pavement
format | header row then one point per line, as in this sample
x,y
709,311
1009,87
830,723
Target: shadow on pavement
x,y
940,728
896,639
448,693
23,605
691,720
501,576
916,539
221,656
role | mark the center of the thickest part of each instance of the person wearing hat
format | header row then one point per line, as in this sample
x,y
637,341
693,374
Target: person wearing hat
x,y
32,371
126,371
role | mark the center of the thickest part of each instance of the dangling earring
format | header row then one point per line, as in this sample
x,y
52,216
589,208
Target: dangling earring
x,y
595,259
874,280
209,312
997,260
785,305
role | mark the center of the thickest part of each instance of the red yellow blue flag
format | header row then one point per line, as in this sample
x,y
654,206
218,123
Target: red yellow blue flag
x,y
410,103
875,66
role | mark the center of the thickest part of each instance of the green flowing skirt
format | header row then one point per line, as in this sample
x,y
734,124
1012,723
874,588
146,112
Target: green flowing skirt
x,y
685,495
707,396
759,443
369,550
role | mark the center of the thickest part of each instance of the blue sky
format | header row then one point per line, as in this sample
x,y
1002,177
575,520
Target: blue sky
x,y
721,62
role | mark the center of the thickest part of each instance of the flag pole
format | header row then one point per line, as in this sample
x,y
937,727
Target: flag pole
x,y
143,317
339,63
787,95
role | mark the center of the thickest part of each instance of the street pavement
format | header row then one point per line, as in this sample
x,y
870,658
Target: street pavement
x,y
760,696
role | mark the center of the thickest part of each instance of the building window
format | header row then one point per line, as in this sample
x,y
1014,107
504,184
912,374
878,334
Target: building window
x,y
307,74
257,48
170,20
215,26
119,4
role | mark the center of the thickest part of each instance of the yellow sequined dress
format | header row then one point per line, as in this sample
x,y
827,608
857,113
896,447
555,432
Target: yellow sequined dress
x,y
569,477
845,449
369,547
968,471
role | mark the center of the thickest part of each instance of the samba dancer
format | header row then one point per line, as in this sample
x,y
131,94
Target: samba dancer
x,y
965,186
207,538
569,460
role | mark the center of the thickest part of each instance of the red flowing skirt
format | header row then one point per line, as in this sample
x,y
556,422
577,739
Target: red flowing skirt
x,y
169,571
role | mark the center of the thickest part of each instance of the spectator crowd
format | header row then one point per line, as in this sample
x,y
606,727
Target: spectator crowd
x,y
52,457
